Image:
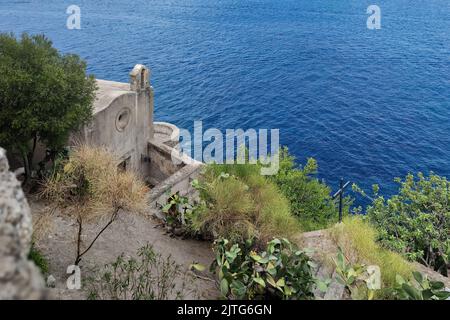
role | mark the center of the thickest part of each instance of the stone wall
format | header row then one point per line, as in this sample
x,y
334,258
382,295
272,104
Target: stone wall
x,y
122,119
170,171
19,277
161,165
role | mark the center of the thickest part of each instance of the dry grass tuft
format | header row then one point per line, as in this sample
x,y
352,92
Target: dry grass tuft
x,y
357,239
242,205
90,184
42,225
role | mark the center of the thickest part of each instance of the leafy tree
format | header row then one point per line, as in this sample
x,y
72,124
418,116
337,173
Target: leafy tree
x,y
416,221
310,199
44,95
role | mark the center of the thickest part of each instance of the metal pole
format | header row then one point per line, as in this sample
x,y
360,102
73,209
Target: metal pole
x,y
341,185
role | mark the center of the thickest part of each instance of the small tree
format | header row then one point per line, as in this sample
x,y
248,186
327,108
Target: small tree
x,y
416,221
90,188
310,199
44,95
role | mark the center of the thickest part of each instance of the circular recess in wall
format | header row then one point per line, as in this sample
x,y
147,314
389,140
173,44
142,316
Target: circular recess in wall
x,y
122,119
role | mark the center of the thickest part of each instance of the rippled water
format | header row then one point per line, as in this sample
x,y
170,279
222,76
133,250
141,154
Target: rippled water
x,y
368,105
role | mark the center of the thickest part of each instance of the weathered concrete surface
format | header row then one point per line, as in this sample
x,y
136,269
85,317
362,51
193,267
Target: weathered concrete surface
x,y
123,123
123,119
170,171
19,278
166,133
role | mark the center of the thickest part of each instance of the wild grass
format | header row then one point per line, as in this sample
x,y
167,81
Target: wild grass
x,y
150,276
43,223
242,204
39,259
357,239
90,187
90,183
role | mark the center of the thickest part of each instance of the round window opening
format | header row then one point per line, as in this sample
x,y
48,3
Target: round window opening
x,y
122,119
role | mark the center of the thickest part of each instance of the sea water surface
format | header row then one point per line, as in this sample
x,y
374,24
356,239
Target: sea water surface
x,y
369,105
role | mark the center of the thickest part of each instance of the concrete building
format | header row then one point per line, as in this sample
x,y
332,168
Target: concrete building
x,y
123,119
123,123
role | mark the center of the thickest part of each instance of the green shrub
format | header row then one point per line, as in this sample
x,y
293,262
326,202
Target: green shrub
x,y
310,200
420,289
150,277
363,282
357,239
280,272
360,281
240,204
44,95
178,213
39,259
229,210
416,221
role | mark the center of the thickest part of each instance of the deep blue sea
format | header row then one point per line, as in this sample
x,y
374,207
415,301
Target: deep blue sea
x,y
369,105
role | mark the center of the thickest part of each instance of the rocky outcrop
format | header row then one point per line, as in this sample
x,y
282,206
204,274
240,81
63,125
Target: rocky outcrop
x,y
325,249
19,277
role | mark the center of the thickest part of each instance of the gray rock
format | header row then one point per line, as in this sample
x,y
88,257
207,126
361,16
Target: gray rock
x,y
14,209
178,231
51,281
19,277
335,290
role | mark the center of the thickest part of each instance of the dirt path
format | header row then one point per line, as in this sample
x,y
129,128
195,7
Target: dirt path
x,y
126,235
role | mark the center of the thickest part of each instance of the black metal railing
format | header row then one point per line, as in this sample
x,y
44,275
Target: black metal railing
x,y
340,194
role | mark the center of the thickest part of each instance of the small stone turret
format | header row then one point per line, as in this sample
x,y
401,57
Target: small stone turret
x,y
123,119
139,78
